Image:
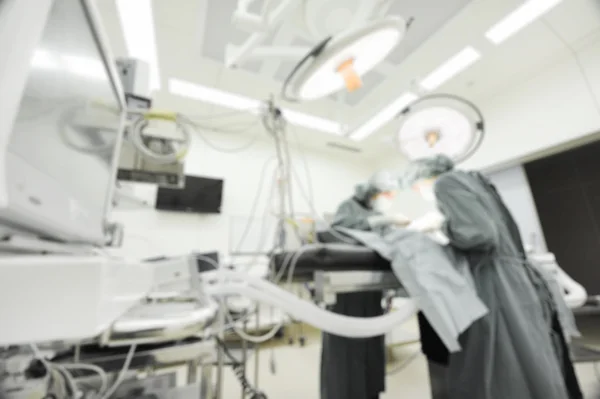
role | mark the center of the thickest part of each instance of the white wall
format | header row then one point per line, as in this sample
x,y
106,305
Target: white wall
x,y
514,188
550,109
149,232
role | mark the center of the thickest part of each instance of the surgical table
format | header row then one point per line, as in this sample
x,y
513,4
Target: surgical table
x,y
337,268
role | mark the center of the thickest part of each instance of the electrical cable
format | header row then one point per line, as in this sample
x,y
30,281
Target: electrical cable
x,y
239,370
52,368
309,198
255,202
215,147
230,129
212,116
122,373
274,127
290,185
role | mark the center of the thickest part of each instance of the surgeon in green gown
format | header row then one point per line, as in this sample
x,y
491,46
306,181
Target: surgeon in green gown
x,y
353,368
517,350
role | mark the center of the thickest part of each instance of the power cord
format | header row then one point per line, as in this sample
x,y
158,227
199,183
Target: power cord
x,y
240,373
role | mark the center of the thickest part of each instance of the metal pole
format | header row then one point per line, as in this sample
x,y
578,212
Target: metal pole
x,y
220,352
206,391
256,349
244,355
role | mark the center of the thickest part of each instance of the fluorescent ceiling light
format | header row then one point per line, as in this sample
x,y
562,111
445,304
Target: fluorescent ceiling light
x,y
519,18
214,96
382,117
455,65
247,104
312,122
137,21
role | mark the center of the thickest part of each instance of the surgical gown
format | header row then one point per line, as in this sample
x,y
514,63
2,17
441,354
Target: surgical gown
x,y
552,310
509,353
353,368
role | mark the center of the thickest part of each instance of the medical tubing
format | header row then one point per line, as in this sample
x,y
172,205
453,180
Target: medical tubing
x,y
255,203
345,326
283,295
316,215
221,115
255,339
90,367
311,196
234,150
122,373
69,378
221,274
289,182
53,366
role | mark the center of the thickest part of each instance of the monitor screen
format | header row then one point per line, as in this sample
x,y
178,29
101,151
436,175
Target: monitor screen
x,y
200,195
207,261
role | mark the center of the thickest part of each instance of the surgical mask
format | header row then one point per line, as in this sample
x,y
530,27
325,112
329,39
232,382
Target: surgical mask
x,y
382,203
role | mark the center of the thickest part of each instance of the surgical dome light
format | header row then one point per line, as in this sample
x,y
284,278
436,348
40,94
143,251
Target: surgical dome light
x,y
440,124
339,61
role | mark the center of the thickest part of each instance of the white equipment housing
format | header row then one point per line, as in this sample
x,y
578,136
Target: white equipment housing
x,y
57,176
58,297
133,165
135,76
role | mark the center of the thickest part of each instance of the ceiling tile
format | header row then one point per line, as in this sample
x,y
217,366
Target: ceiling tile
x,y
429,16
370,82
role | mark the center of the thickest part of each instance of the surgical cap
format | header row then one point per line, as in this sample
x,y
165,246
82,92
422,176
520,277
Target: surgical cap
x,y
380,182
427,168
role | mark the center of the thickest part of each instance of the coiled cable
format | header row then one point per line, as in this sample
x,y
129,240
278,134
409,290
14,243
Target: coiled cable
x,y
240,373
137,138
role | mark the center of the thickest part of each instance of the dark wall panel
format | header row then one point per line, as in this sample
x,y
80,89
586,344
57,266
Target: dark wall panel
x,y
566,190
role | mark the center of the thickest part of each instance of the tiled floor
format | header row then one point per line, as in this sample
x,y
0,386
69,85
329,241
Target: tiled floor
x,y
297,374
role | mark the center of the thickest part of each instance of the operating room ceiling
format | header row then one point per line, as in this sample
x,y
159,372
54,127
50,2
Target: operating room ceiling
x,y
192,35
428,16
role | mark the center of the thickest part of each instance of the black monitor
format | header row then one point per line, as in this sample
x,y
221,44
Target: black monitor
x,y
207,261
199,195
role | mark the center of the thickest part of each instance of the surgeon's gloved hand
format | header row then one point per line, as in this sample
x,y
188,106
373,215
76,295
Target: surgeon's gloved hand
x,y
387,220
430,222
400,220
